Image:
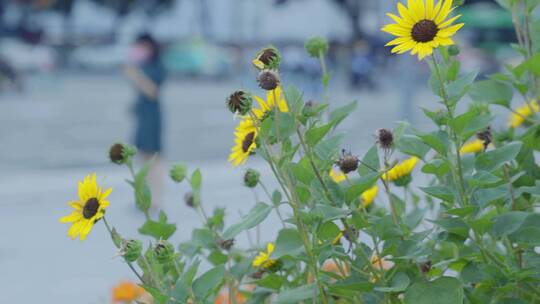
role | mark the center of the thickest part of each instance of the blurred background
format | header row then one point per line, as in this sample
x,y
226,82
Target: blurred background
x,y
65,98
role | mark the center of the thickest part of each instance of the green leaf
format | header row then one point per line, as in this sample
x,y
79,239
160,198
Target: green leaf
x,y
208,281
314,135
143,196
158,230
339,114
297,294
288,242
252,219
412,145
442,192
494,159
456,89
328,231
203,237
329,213
272,281
358,187
399,283
294,99
508,223
436,166
303,171
444,290
329,147
437,140
196,180
492,91
371,159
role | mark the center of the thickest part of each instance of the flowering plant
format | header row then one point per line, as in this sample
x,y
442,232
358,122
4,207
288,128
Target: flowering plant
x,y
443,216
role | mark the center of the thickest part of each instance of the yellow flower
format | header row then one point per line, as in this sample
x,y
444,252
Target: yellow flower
x,y
400,170
88,209
337,176
127,292
244,142
518,118
369,195
263,259
474,146
422,26
247,130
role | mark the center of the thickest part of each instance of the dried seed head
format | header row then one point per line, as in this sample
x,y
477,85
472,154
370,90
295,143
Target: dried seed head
x,y
385,139
239,102
226,244
251,178
486,136
189,199
347,163
258,274
268,80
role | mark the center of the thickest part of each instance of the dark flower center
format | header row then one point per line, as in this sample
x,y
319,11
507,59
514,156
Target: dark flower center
x,y
424,31
90,208
235,101
117,153
248,141
267,56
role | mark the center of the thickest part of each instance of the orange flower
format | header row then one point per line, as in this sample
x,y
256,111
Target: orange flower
x,y
223,298
126,292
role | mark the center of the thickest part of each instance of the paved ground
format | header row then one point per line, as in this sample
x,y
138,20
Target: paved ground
x,y
60,130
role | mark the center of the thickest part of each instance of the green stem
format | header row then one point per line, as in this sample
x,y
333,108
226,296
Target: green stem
x,y
460,179
128,263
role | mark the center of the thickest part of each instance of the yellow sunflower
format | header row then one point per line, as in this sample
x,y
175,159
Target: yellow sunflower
x,y
474,146
88,209
521,113
401,170
422,26
246,132
369,195
263,259
337,176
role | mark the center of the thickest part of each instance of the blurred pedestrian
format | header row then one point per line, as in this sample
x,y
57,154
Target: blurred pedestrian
x,y
147,74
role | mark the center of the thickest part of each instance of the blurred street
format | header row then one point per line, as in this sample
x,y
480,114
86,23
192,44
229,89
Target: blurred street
x,y
60,129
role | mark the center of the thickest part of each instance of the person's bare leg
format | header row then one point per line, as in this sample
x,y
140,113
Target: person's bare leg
x,y
154,178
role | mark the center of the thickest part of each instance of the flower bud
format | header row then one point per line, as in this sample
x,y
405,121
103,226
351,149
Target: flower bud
x,y
316,47
131,250
189,199
348,162
120,153
385,139
268,80
251,178
267,58
178,172
226,244
164,252
453,50
240,102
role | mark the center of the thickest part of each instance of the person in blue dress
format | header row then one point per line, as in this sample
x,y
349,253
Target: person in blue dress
x,y
146,74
